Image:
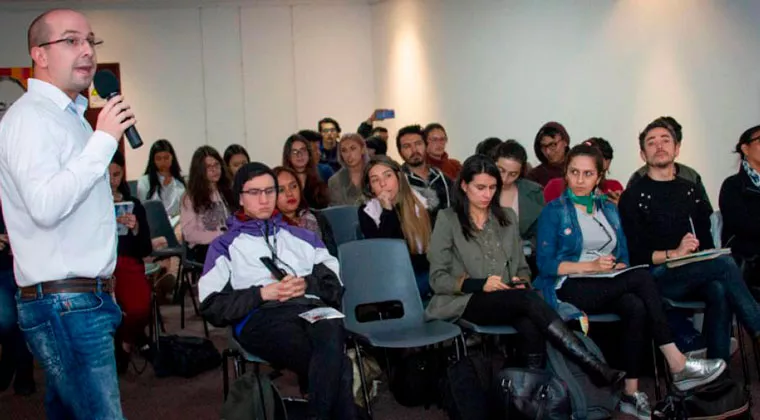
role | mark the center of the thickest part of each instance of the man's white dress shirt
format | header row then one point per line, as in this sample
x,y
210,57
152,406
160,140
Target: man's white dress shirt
x,y
57,199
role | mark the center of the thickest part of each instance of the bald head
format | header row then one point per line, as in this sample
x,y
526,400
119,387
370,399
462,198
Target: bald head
x,y
40,30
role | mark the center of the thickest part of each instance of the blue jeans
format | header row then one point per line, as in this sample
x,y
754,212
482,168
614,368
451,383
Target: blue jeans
x,y
719,284
71,336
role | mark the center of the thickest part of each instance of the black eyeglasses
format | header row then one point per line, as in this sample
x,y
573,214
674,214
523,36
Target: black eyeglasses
x,y
75,42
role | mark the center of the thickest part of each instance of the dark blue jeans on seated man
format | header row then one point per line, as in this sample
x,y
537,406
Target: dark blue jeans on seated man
x,y
720,285
71,336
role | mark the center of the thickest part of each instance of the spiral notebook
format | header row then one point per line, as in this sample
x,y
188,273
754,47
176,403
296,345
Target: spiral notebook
x,y
606,274
705,255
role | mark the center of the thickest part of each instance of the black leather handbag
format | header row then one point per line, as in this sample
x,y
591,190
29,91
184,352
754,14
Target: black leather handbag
x,y
533,394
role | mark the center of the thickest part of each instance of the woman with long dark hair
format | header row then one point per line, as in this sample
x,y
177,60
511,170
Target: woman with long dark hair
x,y
580,235
295,212
132,288
477,265
163,179
297,155
206,204
235,156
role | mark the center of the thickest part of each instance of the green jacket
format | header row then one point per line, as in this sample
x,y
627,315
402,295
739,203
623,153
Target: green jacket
x,y
453,258
530,204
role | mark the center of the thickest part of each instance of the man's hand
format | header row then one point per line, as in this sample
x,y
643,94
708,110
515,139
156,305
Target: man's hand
x,y
271,291
689,243
292,287
115,117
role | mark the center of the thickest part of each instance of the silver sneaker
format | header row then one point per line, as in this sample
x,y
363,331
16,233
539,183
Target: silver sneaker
x,y
698,372
636,405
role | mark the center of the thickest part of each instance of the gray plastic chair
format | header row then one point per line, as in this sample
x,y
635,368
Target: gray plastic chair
x,y
344,221
379,270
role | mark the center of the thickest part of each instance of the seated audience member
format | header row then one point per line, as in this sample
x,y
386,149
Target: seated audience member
x,y
596,243
429,181
163,179
295,211
740,207
132,287
610,187
235,156
394,210
521,195
551,145
15,359
667,217
346,185
237,290
376,146
682,171
297,155
488,147
435,146
475,244
366,130
330,131
315,141
206,205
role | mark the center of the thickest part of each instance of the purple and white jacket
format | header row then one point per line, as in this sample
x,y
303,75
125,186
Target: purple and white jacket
x,y
233,273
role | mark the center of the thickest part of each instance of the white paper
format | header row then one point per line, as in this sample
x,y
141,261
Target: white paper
x,y
606,274
318,314
121,209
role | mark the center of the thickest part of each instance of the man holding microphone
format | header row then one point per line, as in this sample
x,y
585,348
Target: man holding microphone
x,y
59,214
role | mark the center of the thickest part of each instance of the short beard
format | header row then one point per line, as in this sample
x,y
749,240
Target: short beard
x,y
416,165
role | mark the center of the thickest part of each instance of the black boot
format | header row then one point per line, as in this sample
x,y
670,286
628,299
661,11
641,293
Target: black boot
x,y
535,361
568,343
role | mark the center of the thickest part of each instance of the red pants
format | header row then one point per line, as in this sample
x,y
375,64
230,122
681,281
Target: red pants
x,y
133,296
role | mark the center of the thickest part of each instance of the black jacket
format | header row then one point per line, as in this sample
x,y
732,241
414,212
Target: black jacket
x,y
740,208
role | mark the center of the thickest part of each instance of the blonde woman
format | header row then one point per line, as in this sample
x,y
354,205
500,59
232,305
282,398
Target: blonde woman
x,y
346,185
394,210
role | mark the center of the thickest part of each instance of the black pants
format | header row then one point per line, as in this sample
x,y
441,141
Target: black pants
x,y
315,352
520,308
634,297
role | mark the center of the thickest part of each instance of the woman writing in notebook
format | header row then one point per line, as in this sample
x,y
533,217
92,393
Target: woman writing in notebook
x,y
579,237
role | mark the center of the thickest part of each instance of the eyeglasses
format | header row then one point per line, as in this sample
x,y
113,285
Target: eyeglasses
x,y
256,192
74,42
214,166
329,130
299,152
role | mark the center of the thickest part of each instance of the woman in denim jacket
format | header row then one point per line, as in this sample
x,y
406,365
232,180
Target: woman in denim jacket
x,y
580,235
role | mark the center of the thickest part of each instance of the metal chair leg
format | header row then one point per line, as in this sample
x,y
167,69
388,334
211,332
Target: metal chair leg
x,y
363,378
225,373
181,297
657,390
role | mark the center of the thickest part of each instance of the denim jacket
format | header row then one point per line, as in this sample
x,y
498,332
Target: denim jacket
x,y
560,239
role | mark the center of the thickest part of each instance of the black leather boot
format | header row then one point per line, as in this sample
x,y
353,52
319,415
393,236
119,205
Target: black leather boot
x,y
535,361
567,342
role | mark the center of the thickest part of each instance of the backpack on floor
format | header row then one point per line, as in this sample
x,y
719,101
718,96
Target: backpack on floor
x,y
721,399
588,401
466,390
184,356
414,379
254,397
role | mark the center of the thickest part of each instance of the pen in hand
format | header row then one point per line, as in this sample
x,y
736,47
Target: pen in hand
x,y
693,231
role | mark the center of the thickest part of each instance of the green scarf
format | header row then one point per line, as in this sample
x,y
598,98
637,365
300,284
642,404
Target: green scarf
x,y
586,200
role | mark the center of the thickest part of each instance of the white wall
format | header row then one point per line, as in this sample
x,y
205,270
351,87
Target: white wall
x,y
249,73
254,71
602,68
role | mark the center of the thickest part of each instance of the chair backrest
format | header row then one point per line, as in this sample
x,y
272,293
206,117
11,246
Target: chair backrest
x,y
132,187
379,270
344,221
716,227
158,222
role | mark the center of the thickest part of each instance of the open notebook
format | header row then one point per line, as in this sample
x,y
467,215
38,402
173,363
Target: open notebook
x,y
606,274
705,255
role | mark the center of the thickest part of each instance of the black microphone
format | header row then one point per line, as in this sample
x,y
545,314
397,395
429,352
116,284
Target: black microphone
x,y
107,87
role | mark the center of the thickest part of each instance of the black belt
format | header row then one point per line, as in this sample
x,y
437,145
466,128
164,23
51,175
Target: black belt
x,y
73,285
